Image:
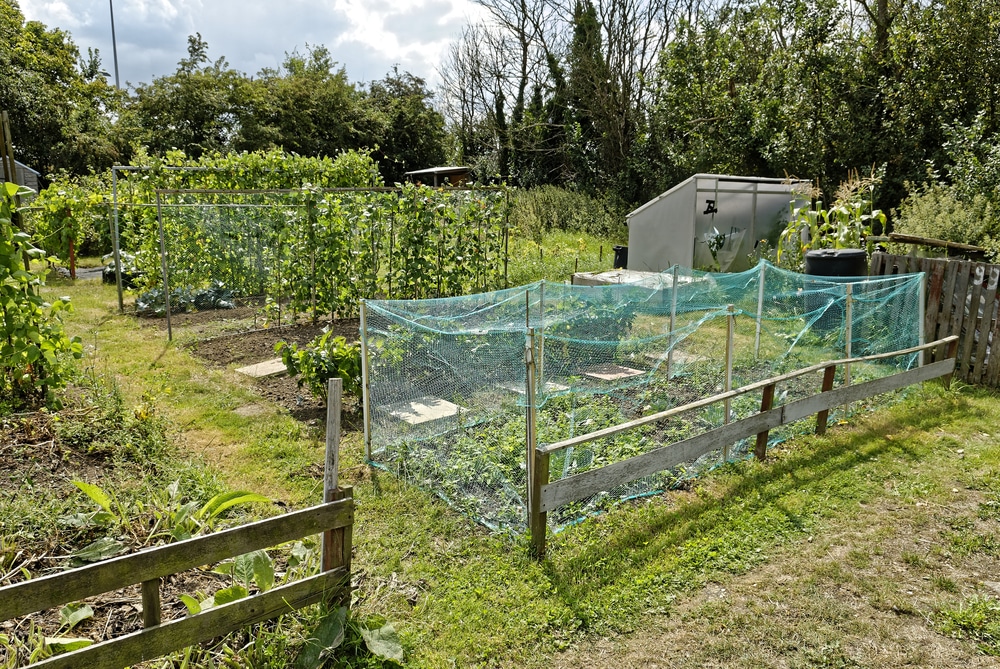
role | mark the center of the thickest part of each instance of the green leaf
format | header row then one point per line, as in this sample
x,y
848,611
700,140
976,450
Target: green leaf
x,y
96,494
255,566
74,613
102,549
223,501
328,636
230,594
384,642
192,604
65,644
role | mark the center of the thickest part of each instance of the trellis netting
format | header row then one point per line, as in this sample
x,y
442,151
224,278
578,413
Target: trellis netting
x,y
320,251
446,402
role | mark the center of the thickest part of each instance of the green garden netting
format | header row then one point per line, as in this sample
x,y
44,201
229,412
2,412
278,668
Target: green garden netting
x,y
447,399
318,252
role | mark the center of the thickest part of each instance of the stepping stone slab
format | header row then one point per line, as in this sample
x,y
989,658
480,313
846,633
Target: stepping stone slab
x,y
550,387
264,369
612,372
422,410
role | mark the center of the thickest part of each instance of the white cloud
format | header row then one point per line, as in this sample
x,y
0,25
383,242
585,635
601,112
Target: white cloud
x,y
366,37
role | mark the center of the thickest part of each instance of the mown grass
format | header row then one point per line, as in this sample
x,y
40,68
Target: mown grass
x,y
463,597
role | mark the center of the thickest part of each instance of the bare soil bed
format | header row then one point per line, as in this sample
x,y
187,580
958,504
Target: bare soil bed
x,y
253,346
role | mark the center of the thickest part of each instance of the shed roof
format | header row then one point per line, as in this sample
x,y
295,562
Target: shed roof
x,y
450,169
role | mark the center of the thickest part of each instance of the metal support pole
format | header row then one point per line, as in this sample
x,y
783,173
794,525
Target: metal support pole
x,y
540,338
673,317
760,306
163,266
730,336
115,244
366,391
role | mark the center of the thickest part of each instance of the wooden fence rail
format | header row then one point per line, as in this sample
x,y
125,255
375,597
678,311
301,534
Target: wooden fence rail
x,y
334,518
150,566
547,496
962,299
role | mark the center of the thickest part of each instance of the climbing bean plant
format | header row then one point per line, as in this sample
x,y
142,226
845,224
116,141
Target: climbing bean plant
x,y
35,353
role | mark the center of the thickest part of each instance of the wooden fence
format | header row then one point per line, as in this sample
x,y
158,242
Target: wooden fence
x,y
962,298
544,496
334,519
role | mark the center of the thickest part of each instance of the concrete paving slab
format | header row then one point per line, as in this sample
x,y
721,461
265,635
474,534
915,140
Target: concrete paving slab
x,y
612,372
422,410
264,369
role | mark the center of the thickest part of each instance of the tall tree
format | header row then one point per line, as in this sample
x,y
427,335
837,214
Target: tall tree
x,y
60,107
413,134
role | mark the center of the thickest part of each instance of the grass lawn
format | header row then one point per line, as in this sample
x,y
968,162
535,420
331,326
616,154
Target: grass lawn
x,y
874,546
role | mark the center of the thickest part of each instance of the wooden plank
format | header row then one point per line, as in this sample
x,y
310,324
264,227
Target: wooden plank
x,y
992,376
878,262
960,298
971,320
938,243
585,484
156,641
935,284
947,301
986,323
47,591
668,413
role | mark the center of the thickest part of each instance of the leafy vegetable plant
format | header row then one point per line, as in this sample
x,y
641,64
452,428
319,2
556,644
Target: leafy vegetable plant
x,y
322,359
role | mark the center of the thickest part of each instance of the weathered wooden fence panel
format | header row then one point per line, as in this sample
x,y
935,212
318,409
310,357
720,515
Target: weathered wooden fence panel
x,y
962,299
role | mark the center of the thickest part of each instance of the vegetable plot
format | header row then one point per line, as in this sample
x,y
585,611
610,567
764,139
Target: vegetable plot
x,y
319,251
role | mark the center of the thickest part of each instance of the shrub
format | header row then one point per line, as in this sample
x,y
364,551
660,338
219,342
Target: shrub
x,y
940,212
323,359
541,210
34,351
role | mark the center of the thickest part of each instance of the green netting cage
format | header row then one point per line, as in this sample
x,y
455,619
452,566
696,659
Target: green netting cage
x,y
447,392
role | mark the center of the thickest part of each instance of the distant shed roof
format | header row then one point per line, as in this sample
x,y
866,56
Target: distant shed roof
x,y
25,175
438,176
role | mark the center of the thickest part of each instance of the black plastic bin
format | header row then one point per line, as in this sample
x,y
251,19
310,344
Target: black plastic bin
x,y
621,257
837,262
832,263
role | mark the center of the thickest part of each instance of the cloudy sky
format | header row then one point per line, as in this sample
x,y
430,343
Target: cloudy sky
x,y
367,37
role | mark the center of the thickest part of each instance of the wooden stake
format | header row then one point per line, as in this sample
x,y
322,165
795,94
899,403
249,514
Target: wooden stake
x,y
766,401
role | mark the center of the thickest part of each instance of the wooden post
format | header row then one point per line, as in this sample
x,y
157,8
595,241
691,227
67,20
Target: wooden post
x,y
334,395
535,464
823,415
730,336
366,392
336,543
760,302
952,352
766,401
151,603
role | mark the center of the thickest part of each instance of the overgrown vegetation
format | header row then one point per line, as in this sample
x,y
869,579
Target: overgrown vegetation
x,y
35,353
847,224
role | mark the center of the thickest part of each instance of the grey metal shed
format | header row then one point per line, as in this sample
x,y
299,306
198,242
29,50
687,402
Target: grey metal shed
x,y
25,175
727,214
